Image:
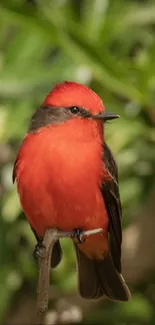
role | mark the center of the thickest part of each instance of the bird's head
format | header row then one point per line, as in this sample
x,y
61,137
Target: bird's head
x,y
73,103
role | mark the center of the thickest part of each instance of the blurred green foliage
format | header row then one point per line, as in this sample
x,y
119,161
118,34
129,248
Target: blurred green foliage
x,y
110,46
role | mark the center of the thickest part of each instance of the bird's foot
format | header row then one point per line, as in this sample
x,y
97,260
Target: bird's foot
x,y
38,250
78,235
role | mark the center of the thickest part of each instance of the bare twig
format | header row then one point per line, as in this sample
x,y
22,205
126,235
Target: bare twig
x,y
51,236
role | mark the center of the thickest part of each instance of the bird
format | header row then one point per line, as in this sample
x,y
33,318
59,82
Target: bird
x,y
67,178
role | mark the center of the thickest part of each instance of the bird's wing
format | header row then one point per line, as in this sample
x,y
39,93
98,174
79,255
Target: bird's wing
x,y
103,277
110,192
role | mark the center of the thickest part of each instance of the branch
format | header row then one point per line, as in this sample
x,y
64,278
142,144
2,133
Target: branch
x,y
50,238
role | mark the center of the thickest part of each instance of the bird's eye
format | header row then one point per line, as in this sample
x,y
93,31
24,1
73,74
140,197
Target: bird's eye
x,y
74,110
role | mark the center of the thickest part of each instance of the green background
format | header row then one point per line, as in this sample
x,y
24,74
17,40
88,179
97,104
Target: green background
x,y
109,46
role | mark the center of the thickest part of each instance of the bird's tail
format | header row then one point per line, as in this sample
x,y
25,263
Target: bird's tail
x,y
99,278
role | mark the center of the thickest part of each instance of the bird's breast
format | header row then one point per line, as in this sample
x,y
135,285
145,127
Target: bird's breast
x,y
59,183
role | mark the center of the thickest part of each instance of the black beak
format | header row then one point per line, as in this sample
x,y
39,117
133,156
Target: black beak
x,y
105,116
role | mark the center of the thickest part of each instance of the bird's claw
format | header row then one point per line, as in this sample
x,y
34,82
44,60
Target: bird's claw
x,y
78,235
38,250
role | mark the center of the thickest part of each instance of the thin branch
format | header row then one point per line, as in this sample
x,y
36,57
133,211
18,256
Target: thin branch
x,y
51,236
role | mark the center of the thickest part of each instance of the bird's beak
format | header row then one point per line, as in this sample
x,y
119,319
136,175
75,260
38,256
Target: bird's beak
x,y
105,116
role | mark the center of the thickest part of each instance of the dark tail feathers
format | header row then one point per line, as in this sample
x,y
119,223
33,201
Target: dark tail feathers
x,y
100,277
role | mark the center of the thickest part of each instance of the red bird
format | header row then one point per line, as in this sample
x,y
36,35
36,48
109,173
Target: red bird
x,y
67,179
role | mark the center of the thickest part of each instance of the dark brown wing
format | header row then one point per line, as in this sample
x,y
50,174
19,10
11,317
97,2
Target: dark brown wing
x,y
104,276
110,191
14,171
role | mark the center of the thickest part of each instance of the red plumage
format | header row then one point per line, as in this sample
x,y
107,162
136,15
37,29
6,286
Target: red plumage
x,y
60,169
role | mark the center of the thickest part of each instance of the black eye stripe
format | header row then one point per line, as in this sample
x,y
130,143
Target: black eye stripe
x,y
75,110
47,115
79,111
